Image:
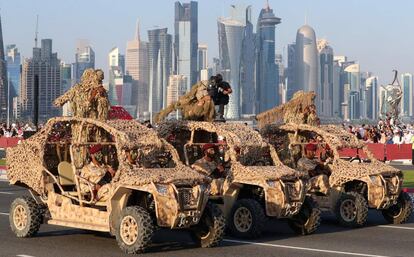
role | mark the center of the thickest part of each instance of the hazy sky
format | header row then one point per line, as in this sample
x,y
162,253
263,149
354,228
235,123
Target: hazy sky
x,y
377,33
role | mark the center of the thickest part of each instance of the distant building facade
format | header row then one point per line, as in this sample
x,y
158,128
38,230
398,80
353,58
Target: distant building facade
x,y
231,34
84,59
45,66
186,41
137,67
306,59
13,61
160,67
4,108
177,86
325,87
267,75
408,94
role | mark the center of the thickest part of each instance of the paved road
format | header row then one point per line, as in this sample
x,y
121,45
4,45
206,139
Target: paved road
x,y
377,239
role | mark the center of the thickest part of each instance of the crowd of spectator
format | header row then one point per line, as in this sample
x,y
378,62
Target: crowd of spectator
x,y
384,132
14,130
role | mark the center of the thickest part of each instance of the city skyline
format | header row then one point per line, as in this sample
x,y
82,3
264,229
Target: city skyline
x,y
373,45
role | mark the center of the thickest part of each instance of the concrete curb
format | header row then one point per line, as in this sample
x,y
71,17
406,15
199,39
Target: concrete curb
x,y
399,162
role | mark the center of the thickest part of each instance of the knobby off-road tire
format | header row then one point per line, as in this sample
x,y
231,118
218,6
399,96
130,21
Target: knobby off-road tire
x,y
307,220
25,216
247,219
210,231
351,210
401,211
135,230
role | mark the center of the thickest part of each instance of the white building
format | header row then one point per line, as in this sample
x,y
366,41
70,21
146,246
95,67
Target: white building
x,y
306,59
407,89
177,86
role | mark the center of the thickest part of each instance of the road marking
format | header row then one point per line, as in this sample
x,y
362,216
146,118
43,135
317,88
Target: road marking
x,y
6,193
396,227
303,248
4,213
23,255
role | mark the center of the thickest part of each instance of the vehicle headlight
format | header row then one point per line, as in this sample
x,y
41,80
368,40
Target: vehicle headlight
x,y
162,189
271,183
376,180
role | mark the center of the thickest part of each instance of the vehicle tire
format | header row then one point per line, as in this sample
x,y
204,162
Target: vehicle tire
x,y
401,211
134,230
210,231
247,219
307,220
351,210
25,216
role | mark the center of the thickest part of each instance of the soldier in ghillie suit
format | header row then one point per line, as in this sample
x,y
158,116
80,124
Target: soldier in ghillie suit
x,y
299,110
88,99
195,105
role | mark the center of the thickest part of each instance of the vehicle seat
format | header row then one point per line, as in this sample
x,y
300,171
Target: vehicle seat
x,y
66,174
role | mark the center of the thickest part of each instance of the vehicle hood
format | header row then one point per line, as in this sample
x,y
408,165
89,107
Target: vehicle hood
x,y
344,171
255,174
180,175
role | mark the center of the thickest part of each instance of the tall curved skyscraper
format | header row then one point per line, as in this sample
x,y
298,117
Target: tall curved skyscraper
x,y
306,59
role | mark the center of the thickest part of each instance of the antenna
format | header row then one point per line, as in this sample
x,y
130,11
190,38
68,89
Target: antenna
x,y
37,29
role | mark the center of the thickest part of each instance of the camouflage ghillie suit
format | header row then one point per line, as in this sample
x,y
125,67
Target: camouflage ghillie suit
x,y
88,99
299,110
195,105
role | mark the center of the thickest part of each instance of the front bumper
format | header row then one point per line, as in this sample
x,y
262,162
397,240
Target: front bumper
x,y
179,206
284,198
383,191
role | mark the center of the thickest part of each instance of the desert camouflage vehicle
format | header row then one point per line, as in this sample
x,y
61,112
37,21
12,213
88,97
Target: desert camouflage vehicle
x,y
156,191
255,185
354,185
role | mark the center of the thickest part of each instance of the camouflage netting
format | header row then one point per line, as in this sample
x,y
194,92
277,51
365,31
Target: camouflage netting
x,y
244,138
88,99
299,110
194,105
337,139
26,161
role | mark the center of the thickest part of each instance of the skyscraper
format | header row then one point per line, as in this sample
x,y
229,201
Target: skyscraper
x,y
65,84
408,91
336,89
202,57
13,69
137,67
45,66
3,80
267,75
84,59
231,34
354,82
325,87
177,86
292,85
243,14
372,97
65,77
160,60
116,72
306,59
186,41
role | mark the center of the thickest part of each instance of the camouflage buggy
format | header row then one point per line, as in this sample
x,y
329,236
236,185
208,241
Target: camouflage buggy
x,y
354,184
157,191
256,184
